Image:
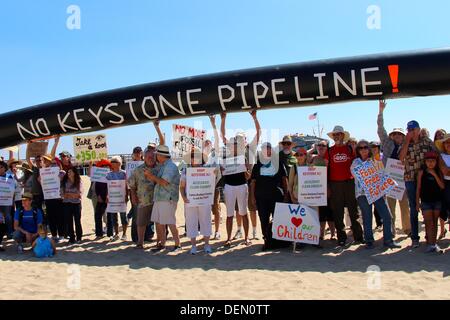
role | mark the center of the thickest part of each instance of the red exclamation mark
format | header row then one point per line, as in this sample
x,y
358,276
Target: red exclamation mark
x,y
393,73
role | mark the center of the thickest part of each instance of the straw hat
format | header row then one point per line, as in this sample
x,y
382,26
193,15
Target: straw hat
x,y
163,150
286,139
47,157
13,161
339,129
25,167
440,143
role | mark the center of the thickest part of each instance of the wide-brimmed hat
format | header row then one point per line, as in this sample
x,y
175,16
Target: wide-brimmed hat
x,y
397,130
339,129
27,195
287,138
198,154
25,167
47,157
13,161
440,143
163,150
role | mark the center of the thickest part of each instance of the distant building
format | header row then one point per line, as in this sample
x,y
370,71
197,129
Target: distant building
x,y
305,141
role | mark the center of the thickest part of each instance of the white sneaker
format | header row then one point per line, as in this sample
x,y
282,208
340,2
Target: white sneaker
x,y
238,235
217,236
254,234
193,251
208,249
124,238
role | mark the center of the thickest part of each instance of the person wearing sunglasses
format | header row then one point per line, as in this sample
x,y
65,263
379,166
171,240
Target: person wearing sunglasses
x,y
412,154
364,154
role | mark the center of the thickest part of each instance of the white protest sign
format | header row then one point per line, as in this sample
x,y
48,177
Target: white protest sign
x,y
184,138
7,187
200,186
233,165
131,166
295,223
18,193
312,186
50,182
99,174
116,196
396,170
90,148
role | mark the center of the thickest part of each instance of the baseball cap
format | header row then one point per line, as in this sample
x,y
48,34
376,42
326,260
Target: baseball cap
x,y
431,155
65,154
413,124
137,150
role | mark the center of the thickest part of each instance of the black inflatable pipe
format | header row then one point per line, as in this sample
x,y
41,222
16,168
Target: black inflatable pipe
x,y
417,73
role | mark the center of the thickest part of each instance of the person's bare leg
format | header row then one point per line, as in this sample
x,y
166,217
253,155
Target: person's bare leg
x,y
428,219
253,219
206,239
436,214
322,229
443,231
162,233
246,227
124,229
238,220
229,229
175,235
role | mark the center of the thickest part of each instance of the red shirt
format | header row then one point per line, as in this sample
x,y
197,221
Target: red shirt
x,y
341,159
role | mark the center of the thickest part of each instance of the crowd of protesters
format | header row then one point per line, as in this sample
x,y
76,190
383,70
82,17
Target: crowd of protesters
x,y
268,176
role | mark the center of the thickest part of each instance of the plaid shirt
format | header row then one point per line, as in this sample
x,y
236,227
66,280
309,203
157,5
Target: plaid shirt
x,y
415,157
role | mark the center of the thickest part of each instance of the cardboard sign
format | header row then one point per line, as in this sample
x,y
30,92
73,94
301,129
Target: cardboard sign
x,y
312,186
396,170
51,183
90,148
131,166
375,183
7,188
99,174
116,196
184,138
296,223
200,186
233,165
38,148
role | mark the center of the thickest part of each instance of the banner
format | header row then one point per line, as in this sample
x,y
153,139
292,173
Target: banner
x,y
99,174
296,223
90,148
369,77
200,186
7,188
184,138
396,170
116,196
312,186
51,183
38,148
233,165
375,183
131,166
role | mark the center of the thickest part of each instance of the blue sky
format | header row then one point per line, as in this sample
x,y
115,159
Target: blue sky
x,y
123,43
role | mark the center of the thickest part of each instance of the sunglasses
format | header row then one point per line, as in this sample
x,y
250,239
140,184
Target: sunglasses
x,y
363,148
286,143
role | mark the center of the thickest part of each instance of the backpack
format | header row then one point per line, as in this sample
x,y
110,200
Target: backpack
x,y
21,212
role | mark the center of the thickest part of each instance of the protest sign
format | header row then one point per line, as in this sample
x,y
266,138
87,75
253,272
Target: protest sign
x,y
296,223
200,186
131,166
7,188
116,196
184,138
375,183
38,148
99,174
233,165
50,182
90,148
396,170
312,186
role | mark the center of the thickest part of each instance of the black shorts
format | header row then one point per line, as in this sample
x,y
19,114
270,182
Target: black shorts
x,y
325,214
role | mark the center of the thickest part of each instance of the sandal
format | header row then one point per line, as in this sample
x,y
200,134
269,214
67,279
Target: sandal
x,y
227,244
139,246
247,243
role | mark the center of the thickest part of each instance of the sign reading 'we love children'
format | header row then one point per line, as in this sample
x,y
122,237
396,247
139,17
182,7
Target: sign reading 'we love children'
x,y
295,223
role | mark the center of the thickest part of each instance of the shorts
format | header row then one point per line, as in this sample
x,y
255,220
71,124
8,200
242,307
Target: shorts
x,y
144,215
163,212
427,206
195,216
233,194
250,205
325,214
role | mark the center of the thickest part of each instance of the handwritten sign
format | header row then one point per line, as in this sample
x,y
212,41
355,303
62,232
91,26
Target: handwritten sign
x,y
200,184
131,166
184,138
38,148
296,223
396,170
375,183
99,174
90,148
233,165
50,182
7,187
312,186
116,196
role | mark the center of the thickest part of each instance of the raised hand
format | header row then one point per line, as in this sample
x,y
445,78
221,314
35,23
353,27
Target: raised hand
x,y
382,105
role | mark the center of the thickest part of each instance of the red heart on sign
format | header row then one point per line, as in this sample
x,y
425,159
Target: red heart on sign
x,y
296,221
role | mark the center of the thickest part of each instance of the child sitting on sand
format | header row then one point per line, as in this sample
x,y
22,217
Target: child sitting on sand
x,y
43,247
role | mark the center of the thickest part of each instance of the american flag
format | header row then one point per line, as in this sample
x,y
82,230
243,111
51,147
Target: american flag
x,y
313,116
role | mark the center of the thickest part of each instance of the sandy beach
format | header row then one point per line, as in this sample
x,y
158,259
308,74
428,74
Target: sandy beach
x,y
104,270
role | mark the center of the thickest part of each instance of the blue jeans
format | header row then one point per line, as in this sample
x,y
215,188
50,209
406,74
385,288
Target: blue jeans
x,y
385,216
7,211
112,222
411,188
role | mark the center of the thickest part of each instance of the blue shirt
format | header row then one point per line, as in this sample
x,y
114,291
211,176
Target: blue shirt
x,y
169,172
28,223
43,248
120,175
